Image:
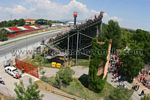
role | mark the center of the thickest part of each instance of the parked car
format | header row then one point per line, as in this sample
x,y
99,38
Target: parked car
x,y
13,71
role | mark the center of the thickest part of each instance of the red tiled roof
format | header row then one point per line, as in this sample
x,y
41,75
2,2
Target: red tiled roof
x,y
29,19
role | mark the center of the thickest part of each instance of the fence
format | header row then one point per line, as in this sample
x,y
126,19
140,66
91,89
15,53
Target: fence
x,y
27,68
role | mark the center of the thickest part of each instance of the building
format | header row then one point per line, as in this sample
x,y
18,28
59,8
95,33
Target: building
x,y
57,24
29,21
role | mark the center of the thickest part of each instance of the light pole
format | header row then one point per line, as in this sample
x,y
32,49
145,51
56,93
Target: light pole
x,y
75,14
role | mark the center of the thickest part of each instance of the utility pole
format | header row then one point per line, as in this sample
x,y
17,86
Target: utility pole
x,y
75,14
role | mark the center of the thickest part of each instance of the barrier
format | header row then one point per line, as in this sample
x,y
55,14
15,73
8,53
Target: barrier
x,y
27,68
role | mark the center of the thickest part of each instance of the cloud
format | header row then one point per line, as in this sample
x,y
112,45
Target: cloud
x,y
115,18
19,9
54,10
50,9
107,17
16,11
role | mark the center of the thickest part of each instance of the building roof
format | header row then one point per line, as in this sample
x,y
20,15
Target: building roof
x,y
29,19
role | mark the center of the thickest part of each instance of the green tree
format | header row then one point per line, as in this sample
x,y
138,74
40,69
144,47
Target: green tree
x,y
64,76
29,93
132,62
3,23
3,35
146,97
21,22
41,21
98,59
114,33
126,38
120,94
49,22
143,38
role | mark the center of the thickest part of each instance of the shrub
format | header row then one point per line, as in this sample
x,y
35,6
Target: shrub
x,y
64,76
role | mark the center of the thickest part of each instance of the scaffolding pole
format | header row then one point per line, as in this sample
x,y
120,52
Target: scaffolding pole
x,y
97,33
68,49
77,47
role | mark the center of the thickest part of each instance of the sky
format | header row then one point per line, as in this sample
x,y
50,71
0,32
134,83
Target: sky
x,y
129,13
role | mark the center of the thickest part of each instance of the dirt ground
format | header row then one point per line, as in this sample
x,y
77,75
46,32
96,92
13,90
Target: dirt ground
x,y
142,87
2,97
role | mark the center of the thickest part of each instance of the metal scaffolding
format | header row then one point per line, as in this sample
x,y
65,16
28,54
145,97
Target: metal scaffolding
x,y
80,37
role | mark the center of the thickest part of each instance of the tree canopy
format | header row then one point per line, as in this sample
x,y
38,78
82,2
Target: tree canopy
x,y
131,65
138,41
98,59
139,53
142,38
3,35
29,93
64,76
113,31
10,23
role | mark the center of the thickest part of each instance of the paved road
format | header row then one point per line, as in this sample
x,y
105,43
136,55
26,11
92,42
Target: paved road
x,y
25,42
8,88
79,71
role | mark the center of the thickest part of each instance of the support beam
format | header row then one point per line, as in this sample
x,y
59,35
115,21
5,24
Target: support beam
x,y
77,47
98,31
85,47
86,36
68,49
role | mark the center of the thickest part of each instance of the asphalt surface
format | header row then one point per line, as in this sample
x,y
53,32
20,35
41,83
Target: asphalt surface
x,y
5,49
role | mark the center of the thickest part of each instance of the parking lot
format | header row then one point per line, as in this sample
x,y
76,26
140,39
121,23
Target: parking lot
x,y
8,88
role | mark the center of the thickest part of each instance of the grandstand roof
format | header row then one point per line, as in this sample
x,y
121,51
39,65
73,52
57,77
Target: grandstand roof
x,y
22,28
28,27
7,29
35,27
15,29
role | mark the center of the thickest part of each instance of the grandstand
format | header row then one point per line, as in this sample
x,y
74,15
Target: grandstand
x,y
78,40
14,31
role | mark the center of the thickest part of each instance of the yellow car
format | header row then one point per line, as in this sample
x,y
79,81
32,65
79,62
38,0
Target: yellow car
x,y
53,64
56,65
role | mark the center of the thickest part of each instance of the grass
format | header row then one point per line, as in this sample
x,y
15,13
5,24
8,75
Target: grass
x,y
84,62
40,63
37,63
81,62
77,89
